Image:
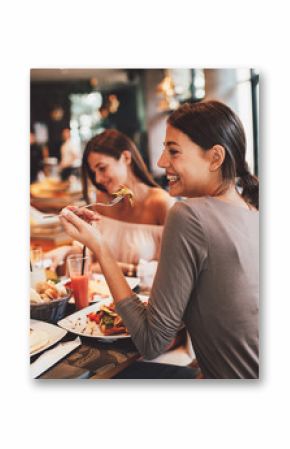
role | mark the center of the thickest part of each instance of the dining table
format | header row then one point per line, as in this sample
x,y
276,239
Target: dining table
x,y
93,359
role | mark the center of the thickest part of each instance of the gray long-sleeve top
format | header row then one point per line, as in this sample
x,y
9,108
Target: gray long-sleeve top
x,y
207,278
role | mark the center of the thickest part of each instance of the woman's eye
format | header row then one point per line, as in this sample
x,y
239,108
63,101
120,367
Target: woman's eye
x,y
172,152
102,168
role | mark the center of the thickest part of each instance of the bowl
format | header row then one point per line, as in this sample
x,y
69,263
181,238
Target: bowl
x,y
51,311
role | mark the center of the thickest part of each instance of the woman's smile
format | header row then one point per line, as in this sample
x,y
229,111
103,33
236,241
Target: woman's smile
x,y
172,179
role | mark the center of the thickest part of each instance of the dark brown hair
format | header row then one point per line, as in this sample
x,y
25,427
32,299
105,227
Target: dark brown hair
x,y
112,143
212,123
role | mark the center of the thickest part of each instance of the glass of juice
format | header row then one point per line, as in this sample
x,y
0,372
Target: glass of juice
x,y
78,270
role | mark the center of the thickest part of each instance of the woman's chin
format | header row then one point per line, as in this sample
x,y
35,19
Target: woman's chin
x,y
112,189
175,189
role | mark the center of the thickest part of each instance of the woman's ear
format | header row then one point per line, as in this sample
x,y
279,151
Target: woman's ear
x,y
217,156
127,157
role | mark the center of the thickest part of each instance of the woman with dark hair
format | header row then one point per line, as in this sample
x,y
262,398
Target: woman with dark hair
x,y
207,275
134,233
113,143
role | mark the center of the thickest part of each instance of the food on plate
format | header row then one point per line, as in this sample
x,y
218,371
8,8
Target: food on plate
x,y
109,321
38,339
103,322
46,292
124,192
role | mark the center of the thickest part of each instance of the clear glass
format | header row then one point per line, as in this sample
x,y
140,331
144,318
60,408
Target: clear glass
x,y
37,273
78,270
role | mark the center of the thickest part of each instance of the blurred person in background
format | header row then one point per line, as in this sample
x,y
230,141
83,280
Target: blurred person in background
x,y
69,153
106,121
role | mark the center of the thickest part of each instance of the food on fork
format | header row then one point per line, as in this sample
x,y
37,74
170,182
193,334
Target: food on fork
x,y
124,192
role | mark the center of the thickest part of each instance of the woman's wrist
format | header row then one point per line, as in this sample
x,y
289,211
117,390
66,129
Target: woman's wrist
x,y
100,251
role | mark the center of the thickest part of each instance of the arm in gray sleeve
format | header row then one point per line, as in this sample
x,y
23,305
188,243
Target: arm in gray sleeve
x,y
183,256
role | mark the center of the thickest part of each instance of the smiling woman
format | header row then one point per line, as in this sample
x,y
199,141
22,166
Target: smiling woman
x,y
208,273
207,142
118,147
133,231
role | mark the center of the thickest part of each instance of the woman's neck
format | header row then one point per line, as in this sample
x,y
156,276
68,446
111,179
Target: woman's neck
x,y
232,196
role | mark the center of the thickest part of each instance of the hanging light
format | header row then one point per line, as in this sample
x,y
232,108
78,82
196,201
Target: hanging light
x,y
167,94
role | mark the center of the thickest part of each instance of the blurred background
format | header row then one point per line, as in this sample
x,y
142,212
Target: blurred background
x,y
72,105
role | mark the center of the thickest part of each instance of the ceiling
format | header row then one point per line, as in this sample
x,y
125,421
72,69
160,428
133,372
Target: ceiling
x,y
99,76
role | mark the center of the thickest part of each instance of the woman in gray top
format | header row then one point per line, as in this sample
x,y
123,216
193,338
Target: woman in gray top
x,y
207,276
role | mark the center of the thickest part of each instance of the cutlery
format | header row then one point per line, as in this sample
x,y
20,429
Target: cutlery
x,y
113,202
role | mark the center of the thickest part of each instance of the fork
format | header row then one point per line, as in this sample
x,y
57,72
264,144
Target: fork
x,y
110,203
113,202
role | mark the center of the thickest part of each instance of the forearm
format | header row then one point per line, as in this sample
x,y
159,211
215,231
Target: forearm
x,y
113,274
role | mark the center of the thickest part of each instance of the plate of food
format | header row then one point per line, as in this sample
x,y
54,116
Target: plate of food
x,y
42,335
99,320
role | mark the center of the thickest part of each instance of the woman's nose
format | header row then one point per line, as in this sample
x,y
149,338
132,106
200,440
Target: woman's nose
x,y
163,161
98,178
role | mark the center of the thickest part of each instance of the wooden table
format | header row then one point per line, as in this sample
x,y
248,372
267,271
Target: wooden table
x,y
93,359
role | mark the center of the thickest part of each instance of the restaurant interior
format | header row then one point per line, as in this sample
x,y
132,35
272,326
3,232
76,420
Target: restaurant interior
x,y
68,107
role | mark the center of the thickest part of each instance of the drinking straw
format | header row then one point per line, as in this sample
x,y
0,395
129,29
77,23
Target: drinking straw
x,y
83,260
31,266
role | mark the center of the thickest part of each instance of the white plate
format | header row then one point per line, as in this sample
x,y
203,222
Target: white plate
x,y
54,333
76,322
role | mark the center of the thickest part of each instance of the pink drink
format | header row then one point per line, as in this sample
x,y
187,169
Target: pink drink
x,y
80,287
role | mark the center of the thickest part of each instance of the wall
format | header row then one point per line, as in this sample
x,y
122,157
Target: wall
x,y
233,87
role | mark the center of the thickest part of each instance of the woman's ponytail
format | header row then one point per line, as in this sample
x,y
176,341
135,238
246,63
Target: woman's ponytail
x,y
250,188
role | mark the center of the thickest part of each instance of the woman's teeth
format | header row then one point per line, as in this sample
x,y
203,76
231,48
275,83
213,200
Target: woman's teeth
x,y
172,178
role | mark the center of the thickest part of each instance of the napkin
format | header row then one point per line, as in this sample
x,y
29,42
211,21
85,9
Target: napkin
x,y
52,356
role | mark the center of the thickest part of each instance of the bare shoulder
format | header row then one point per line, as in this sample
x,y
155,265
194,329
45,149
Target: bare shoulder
x,y
158,195
159,202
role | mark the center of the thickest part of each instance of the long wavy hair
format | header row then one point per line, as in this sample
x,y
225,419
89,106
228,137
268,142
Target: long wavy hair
x,y
210,123
112,143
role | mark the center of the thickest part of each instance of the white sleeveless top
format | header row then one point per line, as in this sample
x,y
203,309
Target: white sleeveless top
x,y
130,242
